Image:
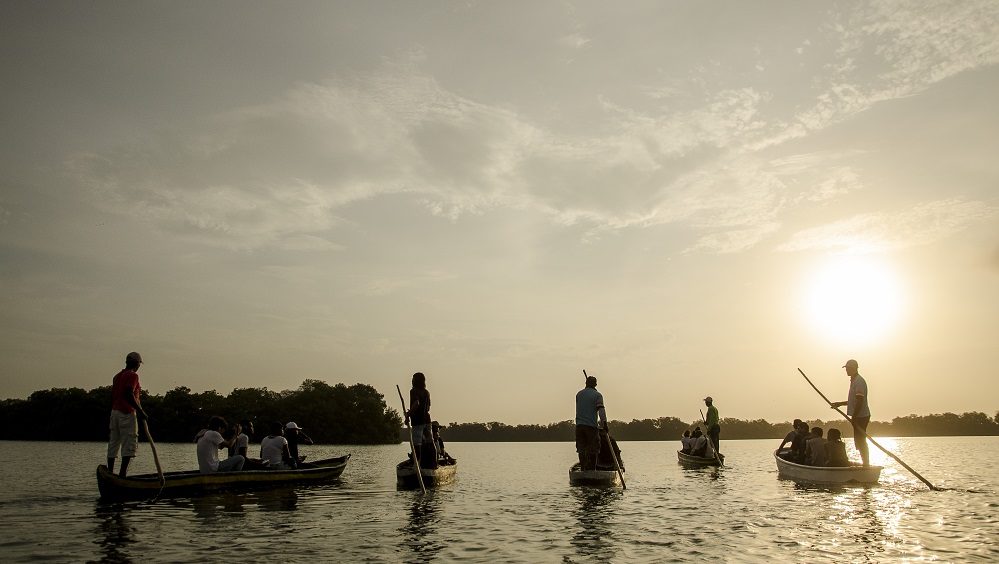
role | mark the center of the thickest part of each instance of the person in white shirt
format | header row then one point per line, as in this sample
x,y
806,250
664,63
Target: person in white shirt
x,y
274,449
243,439
685,442
210,440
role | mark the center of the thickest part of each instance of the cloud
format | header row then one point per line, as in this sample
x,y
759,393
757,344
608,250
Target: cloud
x,y
283,174
923,224
890,50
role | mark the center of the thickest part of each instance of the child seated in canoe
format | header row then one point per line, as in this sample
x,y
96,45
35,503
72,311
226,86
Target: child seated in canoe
x,y
274,449
685,442
836,449
443,458
800,436
815,448
604,459
699,444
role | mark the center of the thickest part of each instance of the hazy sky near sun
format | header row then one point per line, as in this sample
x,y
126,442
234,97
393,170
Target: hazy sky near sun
x,y
682,198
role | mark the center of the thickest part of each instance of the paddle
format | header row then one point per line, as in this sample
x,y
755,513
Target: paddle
x,y
713,449
610,445
152,447
412,444
870,438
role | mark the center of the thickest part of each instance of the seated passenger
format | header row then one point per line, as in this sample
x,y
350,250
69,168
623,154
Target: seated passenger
x,y
699,446
274,449
243,439
210,441
788,438
815,448
296,435
442,455
685,442
836,450
604,459
797,453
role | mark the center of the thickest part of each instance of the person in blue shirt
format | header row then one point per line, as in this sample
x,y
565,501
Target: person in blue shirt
x,y
590,418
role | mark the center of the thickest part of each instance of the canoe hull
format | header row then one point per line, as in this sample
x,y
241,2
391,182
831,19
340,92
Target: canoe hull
x,y
432,477
599,478
698,461
860,475
190,483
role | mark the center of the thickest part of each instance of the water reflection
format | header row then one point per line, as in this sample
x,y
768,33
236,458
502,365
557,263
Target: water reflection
x,y
420,530
114,532
858,516
594,515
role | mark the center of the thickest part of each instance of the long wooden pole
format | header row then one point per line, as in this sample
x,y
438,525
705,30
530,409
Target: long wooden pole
x,y
707,431
617,463
156,457
412,444
870,438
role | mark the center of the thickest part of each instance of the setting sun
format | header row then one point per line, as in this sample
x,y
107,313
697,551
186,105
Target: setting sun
x,y
854,299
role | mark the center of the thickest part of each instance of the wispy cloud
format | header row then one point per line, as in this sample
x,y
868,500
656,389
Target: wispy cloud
x,y
922,224
282,173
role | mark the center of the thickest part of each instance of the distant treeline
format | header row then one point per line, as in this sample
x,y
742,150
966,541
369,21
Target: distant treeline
x,y
671,428
337,414
357,414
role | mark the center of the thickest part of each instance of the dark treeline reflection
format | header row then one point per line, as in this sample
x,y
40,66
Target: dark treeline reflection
x,y
670,428
337,414
358,414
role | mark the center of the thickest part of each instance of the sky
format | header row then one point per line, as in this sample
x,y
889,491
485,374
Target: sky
x,y
681,198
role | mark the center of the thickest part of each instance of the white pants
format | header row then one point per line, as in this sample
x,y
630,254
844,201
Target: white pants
x,y
124,429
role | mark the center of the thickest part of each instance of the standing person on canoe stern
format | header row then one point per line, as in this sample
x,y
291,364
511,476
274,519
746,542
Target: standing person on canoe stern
x,y
711,422
589,407
419,414
857,408
126,412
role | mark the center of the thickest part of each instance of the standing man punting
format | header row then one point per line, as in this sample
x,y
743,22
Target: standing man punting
x,y
589,408
857,408
711,422
126,412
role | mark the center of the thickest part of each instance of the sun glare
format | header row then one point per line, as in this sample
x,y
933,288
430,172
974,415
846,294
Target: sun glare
x,y
854,300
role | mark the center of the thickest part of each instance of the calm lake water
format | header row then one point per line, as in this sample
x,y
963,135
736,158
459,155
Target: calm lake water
x,y
512,503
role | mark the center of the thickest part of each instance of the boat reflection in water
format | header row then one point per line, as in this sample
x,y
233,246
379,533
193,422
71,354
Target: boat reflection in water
x,y
115,532
420,532
594,513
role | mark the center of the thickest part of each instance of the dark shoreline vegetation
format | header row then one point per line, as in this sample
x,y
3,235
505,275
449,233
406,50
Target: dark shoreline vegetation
x,y
358,414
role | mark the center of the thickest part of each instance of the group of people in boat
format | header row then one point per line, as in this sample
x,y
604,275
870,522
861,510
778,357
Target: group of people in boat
x,y
278,450
809,447
703,443
596,449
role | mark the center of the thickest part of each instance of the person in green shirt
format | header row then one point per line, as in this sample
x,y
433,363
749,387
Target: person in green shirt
x,y
711,422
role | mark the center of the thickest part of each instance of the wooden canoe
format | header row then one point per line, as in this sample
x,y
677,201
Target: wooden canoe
x,y
193,482
698,461
432,477
827,474
599,477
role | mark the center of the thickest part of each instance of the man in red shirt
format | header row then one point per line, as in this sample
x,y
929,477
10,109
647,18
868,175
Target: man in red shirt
x,y
126,412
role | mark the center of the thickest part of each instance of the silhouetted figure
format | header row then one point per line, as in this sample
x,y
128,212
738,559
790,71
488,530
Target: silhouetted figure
x,y
419,414
836,449
126,412
589,408
857,408
295,436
